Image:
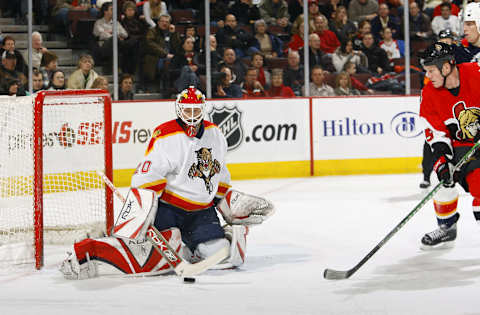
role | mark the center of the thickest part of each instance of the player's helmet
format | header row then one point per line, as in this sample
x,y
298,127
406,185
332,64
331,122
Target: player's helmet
x,y
190,108
447,33
472,13
437,54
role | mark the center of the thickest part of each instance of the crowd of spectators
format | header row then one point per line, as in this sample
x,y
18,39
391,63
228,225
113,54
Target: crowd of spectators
x,y
257,47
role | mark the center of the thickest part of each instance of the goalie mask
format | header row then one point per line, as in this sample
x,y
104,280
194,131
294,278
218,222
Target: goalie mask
x,y
190,108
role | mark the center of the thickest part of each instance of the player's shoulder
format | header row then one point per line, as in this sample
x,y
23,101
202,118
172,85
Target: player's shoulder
x,y
167,129
208,125
469,67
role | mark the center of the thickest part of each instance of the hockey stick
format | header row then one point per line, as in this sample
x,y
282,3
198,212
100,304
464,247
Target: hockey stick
x,y
332,274
178,264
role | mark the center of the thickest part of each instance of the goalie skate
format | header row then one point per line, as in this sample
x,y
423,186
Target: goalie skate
x,y
443,237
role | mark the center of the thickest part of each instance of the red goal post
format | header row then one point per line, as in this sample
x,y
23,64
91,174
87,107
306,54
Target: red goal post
x,y
49,186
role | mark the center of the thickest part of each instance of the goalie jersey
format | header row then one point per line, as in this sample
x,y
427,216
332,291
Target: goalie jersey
x,y
186,172
452,119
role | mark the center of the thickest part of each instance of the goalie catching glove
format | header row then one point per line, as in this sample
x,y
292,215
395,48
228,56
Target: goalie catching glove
x,y
243,209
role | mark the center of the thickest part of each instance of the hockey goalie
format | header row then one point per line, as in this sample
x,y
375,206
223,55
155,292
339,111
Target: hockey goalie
x,y
169,220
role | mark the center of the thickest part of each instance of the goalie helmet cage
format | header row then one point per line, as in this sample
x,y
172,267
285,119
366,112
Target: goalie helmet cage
x,y
50,192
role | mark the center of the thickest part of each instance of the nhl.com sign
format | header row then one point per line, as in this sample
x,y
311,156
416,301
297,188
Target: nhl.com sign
x,y
229,120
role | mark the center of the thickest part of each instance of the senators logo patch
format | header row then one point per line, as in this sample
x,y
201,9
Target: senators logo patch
x,y
205,168
468,121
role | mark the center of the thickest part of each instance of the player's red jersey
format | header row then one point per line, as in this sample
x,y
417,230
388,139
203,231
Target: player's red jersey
x,y
449,118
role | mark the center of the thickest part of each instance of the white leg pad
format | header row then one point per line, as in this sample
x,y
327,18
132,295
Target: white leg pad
x,y
236,237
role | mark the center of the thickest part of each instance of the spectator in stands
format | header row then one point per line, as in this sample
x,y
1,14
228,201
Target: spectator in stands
x,y
238,68
378,62
296,41
9,74
48,64
390,45
294,75
187,61
218,11
419,23
152,10
318,87
313,11
136,29
363,28
62,8
437,11
251,87
278,89
223,85
231,35
38,49
345,53
37,81
275,12
103,30
125,92
316,56
268,44
9,87
162,42
191,31
328,8
351,69
245,11
328,40
215,55
343,85
385,19
263,76
100,83
9,45
57,81
295,8
446,21
359,10
341,25
83,77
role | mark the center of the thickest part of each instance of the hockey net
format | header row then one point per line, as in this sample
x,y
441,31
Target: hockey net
x,y
51,146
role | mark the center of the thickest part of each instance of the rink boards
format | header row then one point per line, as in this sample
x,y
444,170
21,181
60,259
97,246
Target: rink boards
x,y
289,137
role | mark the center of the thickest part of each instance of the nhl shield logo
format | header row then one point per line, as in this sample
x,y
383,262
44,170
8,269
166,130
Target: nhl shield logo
x,y
229,122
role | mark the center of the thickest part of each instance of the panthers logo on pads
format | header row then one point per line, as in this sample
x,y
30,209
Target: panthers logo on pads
x,y
205,168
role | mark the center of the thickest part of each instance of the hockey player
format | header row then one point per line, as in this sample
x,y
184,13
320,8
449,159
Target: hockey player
x,y
469,48
184,164
450,106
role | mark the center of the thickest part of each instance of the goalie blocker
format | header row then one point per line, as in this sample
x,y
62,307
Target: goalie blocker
x,y
135,248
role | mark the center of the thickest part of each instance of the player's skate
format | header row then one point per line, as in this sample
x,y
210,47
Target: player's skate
x,y
443,237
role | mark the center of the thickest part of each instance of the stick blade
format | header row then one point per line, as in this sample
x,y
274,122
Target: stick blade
x,y
331,274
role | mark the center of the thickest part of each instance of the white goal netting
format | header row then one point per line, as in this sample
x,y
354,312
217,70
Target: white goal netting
x,y
73,198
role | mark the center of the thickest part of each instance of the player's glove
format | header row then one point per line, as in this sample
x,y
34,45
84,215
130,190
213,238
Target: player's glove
x,y
444,169
442,154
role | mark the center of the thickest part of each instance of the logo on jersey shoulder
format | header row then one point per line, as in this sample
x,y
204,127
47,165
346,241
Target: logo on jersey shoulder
x,y
468,121
229,122
205,168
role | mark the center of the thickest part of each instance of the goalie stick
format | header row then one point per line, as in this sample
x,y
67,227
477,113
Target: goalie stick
x,y
181,267
332,274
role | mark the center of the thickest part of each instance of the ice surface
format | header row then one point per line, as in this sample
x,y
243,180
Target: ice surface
x,y
320,222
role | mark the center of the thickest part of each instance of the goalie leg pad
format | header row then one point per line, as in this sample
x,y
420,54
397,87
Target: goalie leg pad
x,y
112,256
237,239
445,204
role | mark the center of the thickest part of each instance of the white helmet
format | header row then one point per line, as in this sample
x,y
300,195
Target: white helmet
x,y
190,108
472,13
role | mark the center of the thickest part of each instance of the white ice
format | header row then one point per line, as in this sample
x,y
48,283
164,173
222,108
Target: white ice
x,y
321,222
